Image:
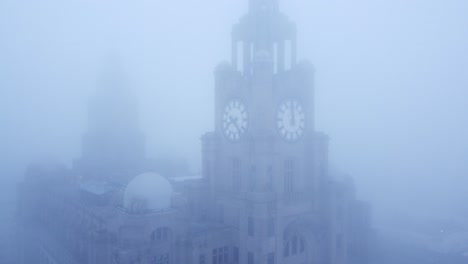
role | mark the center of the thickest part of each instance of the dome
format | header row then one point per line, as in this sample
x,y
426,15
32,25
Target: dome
x,y
148,192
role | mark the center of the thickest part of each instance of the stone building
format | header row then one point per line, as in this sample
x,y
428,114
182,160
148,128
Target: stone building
x,y
265,194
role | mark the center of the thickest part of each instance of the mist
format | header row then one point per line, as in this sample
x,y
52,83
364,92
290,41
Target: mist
x,y
390,90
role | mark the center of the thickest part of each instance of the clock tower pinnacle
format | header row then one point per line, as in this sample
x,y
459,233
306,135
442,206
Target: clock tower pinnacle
x,y
264,29
264,102
261,5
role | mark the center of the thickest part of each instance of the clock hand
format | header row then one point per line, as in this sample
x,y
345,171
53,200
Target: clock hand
x,y
293,115
293,118
233,121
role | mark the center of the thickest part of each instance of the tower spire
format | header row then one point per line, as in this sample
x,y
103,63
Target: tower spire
x,y
113,146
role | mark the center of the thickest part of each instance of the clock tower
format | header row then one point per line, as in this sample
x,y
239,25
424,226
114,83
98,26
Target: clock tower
x,y
265,163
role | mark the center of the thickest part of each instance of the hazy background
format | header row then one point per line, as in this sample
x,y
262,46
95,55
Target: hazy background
x,y
392,79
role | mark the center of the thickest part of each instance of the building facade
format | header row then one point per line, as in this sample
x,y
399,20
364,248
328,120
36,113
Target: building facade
x,y
265,194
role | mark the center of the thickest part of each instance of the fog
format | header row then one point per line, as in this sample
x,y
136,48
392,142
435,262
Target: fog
x,y
391,87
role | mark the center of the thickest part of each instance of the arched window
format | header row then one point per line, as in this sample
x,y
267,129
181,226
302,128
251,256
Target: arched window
x,y
294,246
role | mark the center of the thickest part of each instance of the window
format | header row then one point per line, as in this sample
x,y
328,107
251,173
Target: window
x,y
250,258
271,226
236,254
271,258
236,174
339,242
161,259
302,246
201,259
221,255
215,256
288,176
286,249
250,226
160,234
294,245
225,254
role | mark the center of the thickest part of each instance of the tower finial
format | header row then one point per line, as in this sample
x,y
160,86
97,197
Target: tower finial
x,y
262,5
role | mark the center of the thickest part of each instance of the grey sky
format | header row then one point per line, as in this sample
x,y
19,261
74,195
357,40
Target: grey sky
x,y
392,79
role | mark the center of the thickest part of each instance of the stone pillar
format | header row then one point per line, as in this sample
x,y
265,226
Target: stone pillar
x,y
234,53
293,51
247,57
280,56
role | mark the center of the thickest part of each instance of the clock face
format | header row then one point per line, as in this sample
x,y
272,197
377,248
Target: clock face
x,y
234,120
291,120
